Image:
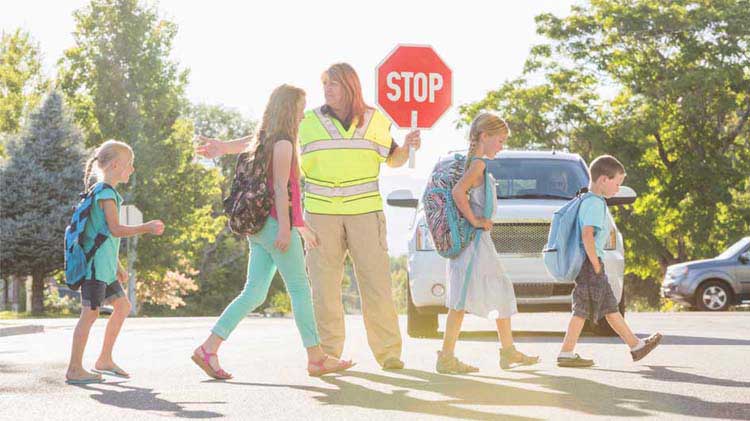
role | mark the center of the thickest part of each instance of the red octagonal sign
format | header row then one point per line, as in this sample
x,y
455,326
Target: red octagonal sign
x,y
414,86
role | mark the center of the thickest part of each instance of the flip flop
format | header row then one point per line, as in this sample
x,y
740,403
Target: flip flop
x,y
115,371
85,380
321,370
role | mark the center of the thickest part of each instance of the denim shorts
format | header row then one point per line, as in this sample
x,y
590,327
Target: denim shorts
x,y
95,293
592,295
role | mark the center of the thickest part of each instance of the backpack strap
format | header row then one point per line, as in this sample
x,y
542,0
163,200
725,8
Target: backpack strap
x,y
101,237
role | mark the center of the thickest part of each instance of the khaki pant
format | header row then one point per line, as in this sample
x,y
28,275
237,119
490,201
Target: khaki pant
x,y
365,239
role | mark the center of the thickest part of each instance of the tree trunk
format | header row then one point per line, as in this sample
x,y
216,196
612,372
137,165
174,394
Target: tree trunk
x,y
37,294
15,288
4,300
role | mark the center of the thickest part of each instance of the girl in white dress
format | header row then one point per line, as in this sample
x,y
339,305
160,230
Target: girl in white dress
x,y
476,279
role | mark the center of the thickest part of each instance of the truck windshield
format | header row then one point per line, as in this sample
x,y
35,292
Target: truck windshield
x,y
734,249
538,178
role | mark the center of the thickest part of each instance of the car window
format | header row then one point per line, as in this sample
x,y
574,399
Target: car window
x,y
734,249
538,177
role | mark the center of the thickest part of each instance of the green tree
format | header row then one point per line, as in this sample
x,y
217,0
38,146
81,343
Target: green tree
x,y
40,182
122,84
22,83
664,86
222,264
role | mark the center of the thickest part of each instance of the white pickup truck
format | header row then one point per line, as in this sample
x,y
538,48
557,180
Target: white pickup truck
x,y
531,185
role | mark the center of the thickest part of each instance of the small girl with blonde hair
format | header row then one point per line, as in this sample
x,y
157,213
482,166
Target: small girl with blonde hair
x,y
476,280
113,164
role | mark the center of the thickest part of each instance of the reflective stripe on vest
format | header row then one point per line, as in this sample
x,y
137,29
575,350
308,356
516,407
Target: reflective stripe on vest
x,y
342,191
342,166
321,145
333,131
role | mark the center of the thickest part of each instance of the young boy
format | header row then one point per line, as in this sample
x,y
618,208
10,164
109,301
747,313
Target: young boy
x,y
592,295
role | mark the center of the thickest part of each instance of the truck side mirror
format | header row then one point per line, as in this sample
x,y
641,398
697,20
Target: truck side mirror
x,y
402,198
625,196
745,257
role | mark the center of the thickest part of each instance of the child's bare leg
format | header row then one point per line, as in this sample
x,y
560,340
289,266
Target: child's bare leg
x,y
573,333
621,327
80,337
452,330
121,307
504,332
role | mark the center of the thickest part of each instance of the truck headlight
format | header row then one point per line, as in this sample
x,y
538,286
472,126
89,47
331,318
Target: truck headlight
x,y
424,239
677,272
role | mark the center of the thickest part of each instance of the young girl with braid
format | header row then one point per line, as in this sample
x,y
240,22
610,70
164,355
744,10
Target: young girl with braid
x,y
113,164
476,279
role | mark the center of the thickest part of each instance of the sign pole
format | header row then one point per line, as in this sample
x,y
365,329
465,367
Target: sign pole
x,y
132,245
412,162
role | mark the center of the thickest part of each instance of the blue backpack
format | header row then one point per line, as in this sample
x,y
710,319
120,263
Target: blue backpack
x,y
563,255
76,260
450,231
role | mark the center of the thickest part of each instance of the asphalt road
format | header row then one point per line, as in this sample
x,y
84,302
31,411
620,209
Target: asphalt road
x,y
701,371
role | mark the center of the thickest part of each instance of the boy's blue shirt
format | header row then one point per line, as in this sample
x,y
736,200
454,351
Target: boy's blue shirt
x,y
595,213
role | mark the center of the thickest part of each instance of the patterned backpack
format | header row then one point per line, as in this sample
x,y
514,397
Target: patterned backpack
x,y
450,231
250,198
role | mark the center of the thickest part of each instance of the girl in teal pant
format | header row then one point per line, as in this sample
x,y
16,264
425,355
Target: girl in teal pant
x,y
279,243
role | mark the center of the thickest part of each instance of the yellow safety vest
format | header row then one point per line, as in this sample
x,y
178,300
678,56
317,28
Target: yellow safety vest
x,y
341,167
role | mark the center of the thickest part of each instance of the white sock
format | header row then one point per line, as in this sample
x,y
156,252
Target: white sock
x,y
569,354
639,345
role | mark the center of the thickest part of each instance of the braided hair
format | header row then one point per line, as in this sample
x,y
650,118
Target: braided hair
x,y
484,123
103,156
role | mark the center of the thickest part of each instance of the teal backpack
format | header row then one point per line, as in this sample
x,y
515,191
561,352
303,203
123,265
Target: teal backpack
x,y
76,259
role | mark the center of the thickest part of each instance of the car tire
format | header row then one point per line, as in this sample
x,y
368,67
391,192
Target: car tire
x,y
419,325
603,328
713,295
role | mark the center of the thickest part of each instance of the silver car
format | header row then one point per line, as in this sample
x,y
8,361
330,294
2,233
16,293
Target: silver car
x,y
711,284
531,185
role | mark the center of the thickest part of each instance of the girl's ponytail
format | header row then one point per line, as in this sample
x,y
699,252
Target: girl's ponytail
x,y
87,173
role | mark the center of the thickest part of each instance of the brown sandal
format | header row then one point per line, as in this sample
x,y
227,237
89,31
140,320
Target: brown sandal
x,y
205,365
321,370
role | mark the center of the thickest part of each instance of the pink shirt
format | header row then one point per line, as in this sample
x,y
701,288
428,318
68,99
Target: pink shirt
x,y
296,204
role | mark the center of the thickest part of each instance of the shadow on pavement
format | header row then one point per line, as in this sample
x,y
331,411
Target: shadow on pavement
x,y
552,337
667,374
564,392
144,399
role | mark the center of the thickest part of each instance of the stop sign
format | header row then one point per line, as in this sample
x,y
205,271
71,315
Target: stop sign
x,y
414,86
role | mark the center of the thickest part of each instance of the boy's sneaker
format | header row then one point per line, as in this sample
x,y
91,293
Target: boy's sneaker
x,y
651,343
449,364
575,361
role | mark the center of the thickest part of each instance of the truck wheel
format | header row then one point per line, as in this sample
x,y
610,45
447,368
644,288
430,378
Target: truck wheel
x,y
419,325
713,295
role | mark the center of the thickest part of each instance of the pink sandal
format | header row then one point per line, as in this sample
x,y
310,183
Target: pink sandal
x,y
321,370
205,365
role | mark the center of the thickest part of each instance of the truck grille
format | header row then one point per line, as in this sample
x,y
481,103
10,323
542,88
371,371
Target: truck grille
x,y
531,289
520,237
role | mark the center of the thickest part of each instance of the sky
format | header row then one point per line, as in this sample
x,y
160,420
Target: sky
x,y
239,51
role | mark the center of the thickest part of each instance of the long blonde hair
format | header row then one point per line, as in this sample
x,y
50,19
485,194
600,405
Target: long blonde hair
x,y
280,118
484,123
103,156
345,75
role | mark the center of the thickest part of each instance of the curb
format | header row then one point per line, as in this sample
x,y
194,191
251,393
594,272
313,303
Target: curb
x,y
20,330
